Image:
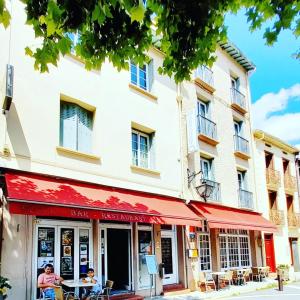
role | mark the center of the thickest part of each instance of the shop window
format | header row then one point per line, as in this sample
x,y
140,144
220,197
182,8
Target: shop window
x,y
204,252
233,251
223,252
144,248
75,127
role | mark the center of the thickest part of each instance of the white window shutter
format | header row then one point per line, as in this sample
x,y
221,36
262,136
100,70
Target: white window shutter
x,y
150,74
192,132
152,151
84,130
68,125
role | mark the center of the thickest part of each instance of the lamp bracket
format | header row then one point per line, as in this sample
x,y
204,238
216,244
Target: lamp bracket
x,y
192,175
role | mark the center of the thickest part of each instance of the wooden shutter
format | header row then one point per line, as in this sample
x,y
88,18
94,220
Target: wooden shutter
x,y
191,120
84,130
68,125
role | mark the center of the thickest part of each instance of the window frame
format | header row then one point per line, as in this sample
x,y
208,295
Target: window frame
x,y
147,136
138,70
205,105
207,235
242,175
209,163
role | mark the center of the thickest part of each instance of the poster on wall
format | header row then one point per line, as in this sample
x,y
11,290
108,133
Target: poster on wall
x,y
46,248
67,237
67,251
84,236
43,261
83,249
66,265
83,260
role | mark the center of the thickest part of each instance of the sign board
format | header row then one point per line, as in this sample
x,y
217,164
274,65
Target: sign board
x,y
151,263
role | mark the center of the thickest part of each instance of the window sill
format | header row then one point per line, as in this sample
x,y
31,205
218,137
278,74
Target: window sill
x,y
144,170
140,90
77,153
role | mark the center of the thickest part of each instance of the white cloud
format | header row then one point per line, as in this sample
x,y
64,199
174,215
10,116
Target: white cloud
x,y
285,125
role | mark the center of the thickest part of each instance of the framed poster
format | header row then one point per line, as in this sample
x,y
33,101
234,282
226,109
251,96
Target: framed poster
x,y
151,263
66,265
46,249
67,251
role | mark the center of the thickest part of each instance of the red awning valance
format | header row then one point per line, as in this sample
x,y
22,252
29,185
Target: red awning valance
x,y
42,195
219,216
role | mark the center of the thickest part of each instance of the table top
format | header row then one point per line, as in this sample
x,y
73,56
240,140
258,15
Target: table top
x,y
218,273
77,283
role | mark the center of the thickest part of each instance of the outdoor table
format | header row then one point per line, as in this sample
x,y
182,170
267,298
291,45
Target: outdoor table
x,y
217,274
77,284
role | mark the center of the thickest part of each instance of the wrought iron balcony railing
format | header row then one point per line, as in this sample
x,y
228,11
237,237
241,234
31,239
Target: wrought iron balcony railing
x,y
238,99
215,195
245,199
290,184
273,179
241,144
207,127
277,216
205,74
293,220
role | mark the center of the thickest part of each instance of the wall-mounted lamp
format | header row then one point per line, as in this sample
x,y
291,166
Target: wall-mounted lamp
x,y
205,189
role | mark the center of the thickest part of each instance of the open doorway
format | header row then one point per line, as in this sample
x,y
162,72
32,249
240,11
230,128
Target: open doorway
x,y
118,243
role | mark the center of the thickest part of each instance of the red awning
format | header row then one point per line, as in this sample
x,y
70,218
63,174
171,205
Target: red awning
x,y
219,216
41,195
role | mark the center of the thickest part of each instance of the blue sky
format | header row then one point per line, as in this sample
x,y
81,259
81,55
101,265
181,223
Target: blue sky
x,y
275,85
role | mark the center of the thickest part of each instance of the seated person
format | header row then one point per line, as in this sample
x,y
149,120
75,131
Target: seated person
x,y
46,281
93,290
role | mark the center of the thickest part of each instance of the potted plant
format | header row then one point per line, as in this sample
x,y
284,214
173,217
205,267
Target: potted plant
x,y
4,286
283,271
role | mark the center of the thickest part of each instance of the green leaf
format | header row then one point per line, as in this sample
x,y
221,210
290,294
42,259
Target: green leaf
x,y
28,51
138,12
96,13
64,45
5,18
51,27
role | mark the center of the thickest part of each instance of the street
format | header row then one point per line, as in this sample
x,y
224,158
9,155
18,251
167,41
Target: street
x,y
291,291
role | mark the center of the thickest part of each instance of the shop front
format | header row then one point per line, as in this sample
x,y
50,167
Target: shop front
x,y
75,225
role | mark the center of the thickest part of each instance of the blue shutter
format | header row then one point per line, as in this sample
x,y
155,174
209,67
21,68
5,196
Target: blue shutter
x,y
150,74
68,125
84,130
133,73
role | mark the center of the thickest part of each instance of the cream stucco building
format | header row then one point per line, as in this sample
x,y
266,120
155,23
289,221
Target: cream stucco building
x,y
101,168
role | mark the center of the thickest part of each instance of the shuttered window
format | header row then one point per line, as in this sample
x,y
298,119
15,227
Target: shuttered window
x,y
75,127
142,76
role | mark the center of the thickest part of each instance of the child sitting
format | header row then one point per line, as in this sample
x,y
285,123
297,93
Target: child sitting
x,y
93,290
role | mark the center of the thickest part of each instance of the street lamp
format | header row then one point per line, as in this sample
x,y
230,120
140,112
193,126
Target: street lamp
x,y
204,189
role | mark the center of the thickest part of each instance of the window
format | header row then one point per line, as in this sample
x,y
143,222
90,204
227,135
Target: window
x,y
202,108
237,128
204,248
241,180
235,83
234,248
142,76
75,127
142,149
206,168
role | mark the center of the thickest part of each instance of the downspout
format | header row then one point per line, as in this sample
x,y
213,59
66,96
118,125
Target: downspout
x,y
179,99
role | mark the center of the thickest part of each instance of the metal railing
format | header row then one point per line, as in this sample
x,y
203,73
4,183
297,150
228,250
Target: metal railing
x,y
241,144
205,74
215,195
276,216
293,219
207,127
238,98
290,184
273,178
245,199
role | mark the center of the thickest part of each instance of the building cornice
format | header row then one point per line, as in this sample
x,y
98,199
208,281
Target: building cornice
x,y
268,138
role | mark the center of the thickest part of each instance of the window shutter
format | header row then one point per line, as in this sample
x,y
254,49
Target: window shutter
x,y
152,151
84,130
193,144
68,125
150,74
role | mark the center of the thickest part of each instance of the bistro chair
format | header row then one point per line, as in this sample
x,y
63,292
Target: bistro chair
x,y
256,275
42,295
206,280
265,272
70,296
245,275
228,277
105,294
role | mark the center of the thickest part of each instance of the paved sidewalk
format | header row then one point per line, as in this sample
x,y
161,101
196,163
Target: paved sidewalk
x,y
226,292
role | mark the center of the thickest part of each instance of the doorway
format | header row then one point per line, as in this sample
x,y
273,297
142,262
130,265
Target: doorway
x,y
116,257
169,256
270,255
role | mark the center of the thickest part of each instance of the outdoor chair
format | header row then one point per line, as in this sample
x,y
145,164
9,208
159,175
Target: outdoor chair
x,y
245,275
265,272
105,294
207,280
42,296
70,296
235,277
228,277
256,275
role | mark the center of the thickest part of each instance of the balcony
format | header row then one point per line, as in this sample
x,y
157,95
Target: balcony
x,y
205,79
241,147
238,101
290,185
273,179
293,220
276,216
215,195
207,130
245,199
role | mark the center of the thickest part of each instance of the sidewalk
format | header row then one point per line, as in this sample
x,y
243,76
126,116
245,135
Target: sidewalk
x,y
226,292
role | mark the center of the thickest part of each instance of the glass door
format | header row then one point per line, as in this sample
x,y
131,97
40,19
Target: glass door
x,y
169,257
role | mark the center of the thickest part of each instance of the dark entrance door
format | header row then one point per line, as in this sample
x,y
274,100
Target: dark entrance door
x,y
270,255
118,258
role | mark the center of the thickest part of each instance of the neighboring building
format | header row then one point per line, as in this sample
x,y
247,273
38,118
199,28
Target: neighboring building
x,y
278,198
94,170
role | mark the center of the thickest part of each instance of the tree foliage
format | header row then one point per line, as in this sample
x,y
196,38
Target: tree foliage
x,y
187,31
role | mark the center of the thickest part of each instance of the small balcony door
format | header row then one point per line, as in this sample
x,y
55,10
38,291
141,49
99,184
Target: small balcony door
x,y
206,168
241,180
